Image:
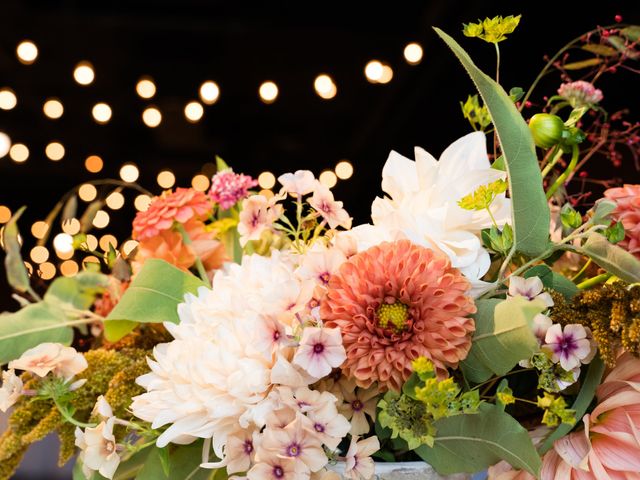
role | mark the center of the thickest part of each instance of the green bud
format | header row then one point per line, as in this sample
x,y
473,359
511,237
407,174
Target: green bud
x,y
570,218
546,129
615,233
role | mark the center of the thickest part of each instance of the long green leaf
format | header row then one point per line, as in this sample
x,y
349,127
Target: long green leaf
x,y
502,338
530,211
471,443
152,297
582,402
612,258
17,275
30,326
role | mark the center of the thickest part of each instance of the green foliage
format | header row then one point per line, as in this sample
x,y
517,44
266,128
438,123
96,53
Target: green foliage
x,y
546,129
615,232
502,338
77,292
152,297
612,258
407,418
17,275
570,217
602,212
555,410
550,374
530,211
492,30
471,443
183,462
499,241
553,280
476,114
504,394
30,326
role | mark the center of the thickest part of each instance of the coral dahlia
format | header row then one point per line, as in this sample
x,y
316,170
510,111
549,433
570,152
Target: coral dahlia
x,y
627,211
395,302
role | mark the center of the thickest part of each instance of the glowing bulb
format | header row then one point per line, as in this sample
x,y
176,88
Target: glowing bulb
x,y
63,243
83,73
101,220
93,164
115,201
387,74
374,71
129,246
129,172
193,111
71,226
53,108
344,170
325,87
101,113
142,202
47,270
54,151
145,87
328,178
39,254
266,180
8,99
39,229
5,214
151,117
87,192
166,179
69,268
268,92
5,144
19,153
27,52
209,92
413,53
200,182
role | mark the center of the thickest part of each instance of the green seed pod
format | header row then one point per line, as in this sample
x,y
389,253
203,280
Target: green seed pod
x,y
546,129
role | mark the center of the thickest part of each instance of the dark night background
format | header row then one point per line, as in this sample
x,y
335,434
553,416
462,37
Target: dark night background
x,y
183,43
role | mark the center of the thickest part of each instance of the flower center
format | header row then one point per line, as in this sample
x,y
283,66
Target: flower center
x,y
393,315
276,336
293,450
278,472
356,405
324,277
318,348
248,447
319,427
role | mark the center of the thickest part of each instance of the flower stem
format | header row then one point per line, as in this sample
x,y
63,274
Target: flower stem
x,y
592,282
582,270
556,155
69,418
497,62
187,241
495,224
575,154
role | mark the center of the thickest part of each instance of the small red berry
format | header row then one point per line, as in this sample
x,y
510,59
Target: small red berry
x,y
618,18
583,174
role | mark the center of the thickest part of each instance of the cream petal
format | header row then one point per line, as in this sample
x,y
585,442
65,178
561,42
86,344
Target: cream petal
x,y
399,176
463,156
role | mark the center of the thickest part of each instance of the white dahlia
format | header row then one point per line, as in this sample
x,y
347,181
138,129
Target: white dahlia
x,y
217,373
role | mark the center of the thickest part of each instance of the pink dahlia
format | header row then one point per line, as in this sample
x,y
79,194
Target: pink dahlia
x,y
393,303
228,188
179,206
627,211
609,445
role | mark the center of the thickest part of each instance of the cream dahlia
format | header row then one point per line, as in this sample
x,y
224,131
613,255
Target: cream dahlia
x,y
627,211
395,302
179,206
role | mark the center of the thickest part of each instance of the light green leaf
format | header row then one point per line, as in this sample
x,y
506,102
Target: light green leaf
x,y
599,49
602,211
152,297
530,211
17,275
553,280
620,45
221,164
471,443
184,464
591,62
502,338
612,258
78,292
632,32
30,326
582,402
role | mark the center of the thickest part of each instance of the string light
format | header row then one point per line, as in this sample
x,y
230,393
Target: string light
x,y
413,53
54,151
266,180
193,111
129,172
200,182
268,92
5,214
166,179
328,178
63,243
8,99
39,254
5,144
69,268
325,86
107,240
115,200
39,229
47,270
83,73
101,113
344,170
87,192
27,52
151,117
19,153
71,226
145,87
129,246
53,108
93,163
101,220
142,202
209,92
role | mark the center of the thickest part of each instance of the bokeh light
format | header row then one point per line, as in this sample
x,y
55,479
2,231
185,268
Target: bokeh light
x,y
54,151
145,87
19,152
53,108
101,113
84,73
8,99
27,52
328,178
87,192
129,172
413,53
151,117
268,92
344,170
193,111
93,163
266,180
209,92
166,179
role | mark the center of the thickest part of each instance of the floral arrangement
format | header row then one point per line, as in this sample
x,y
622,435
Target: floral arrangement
x,y
486,318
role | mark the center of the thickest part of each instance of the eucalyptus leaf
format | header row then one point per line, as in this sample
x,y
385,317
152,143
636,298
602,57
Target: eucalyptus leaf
x,y
553,280
183,461
78,292
591,62
471,443
599,49
602,212
620,45
632,32
17,275
152,297
502,338
31,326
529,206
612,258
